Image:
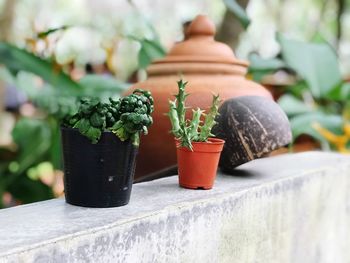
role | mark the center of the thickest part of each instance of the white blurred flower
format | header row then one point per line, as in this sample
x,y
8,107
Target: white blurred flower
x,y
80,44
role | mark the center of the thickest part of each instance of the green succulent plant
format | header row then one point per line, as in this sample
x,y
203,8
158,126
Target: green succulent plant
x,y
125,117
188,131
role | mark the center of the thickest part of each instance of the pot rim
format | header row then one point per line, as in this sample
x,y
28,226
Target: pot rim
x,y
76,129
213,145
211,141
104,134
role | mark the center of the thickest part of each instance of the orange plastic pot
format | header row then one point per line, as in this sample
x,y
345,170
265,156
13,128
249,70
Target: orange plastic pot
x,y
197,168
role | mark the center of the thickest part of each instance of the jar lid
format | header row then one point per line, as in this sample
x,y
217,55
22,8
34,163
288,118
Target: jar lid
x,y
200,46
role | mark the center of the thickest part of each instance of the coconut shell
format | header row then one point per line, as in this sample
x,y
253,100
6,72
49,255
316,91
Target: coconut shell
x,y
252,127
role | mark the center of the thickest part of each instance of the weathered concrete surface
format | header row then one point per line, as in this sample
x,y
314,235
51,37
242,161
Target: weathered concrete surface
x,y
291,208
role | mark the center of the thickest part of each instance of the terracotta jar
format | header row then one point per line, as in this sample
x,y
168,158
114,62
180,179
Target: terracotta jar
x,y
210,67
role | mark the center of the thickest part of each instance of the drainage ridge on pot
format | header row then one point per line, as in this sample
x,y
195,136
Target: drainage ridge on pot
x,y
197,168
97,175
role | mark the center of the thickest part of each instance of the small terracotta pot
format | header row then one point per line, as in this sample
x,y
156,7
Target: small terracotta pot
x,y
197,168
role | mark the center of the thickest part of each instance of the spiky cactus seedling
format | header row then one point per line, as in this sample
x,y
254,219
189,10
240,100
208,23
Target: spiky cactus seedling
x,y
188,131
175,122
209,121
180,99
195,124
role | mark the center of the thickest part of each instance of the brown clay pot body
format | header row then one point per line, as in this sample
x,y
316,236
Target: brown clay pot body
x,y
197,168
210,68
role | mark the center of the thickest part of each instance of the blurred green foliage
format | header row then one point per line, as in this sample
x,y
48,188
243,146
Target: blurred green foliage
x,y
238,11
149,51
17,59
319,95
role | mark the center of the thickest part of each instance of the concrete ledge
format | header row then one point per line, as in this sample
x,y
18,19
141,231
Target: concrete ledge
x,y
290,208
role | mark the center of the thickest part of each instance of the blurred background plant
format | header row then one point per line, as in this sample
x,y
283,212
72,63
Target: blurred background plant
x,y
54,52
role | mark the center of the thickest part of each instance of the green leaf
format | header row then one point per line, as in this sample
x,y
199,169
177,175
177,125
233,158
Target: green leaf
x,y
258,63
238,11
60,102
302,124
16,59
258,75
260,67
150,50
293,106
6,76
93,134
29,191
56,102
28,83
55,151
316,63
50,31
341,92
101,86
299,89
118,130
82,125
33,140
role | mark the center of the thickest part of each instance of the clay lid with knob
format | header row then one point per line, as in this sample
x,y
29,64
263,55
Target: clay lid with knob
x,y
200,46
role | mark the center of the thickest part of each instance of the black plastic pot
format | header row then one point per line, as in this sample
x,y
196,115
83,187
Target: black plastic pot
x,y
97,175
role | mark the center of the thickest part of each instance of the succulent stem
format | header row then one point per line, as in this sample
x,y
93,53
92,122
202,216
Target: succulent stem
x,y
188,131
